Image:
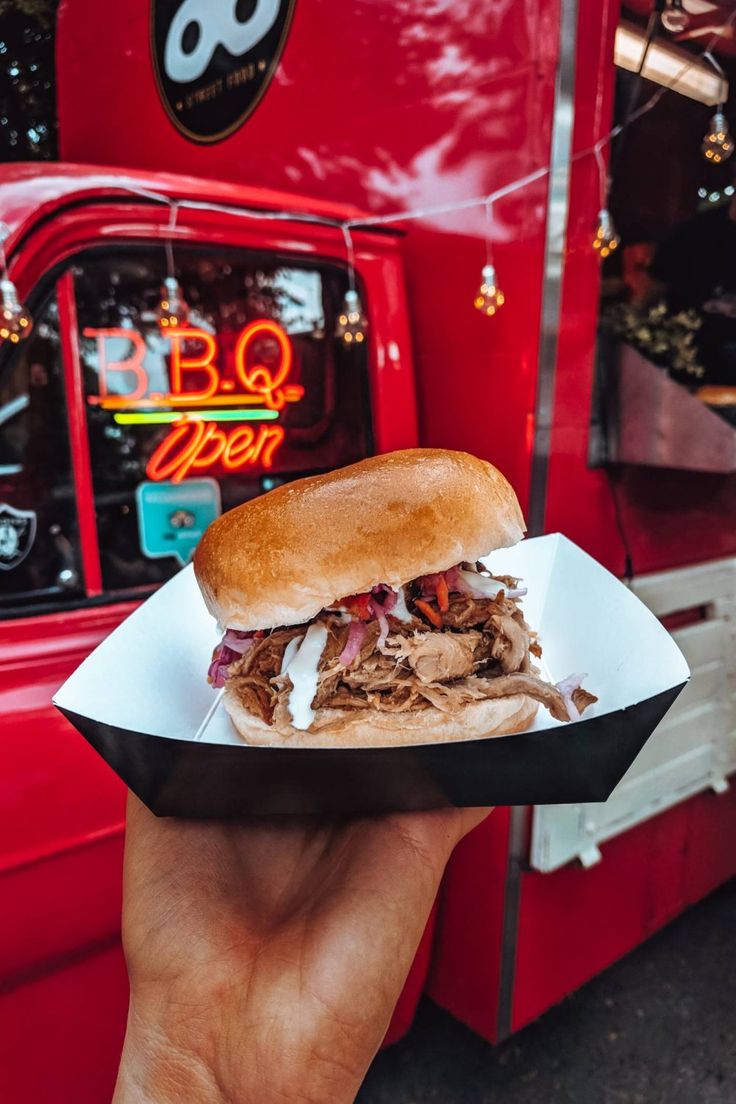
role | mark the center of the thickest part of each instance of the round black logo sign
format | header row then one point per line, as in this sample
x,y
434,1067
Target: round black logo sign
x,y
214,59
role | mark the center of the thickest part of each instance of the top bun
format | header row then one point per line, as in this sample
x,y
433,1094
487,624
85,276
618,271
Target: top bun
x,y
281,558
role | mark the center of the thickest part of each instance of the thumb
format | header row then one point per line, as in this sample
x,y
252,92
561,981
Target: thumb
x,y
469,819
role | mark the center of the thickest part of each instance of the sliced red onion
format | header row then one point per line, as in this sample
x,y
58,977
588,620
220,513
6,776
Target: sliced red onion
x,y
380,609
212,670
517,592
353,644
566,687
378,612
388,596
453,580
238,641
221,660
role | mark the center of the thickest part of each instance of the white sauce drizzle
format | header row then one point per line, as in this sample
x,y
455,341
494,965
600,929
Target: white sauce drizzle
x,y
400,612
289,653
302,670
481,583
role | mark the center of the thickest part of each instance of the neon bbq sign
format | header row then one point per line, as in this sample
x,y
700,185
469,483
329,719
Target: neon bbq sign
x,y
201,397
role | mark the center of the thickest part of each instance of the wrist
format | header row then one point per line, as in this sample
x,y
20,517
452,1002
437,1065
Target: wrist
x,y
156,1067
180,1052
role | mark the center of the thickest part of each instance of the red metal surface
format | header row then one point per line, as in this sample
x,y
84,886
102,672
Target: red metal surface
x,y
467,107
711,857
576,922
78,439
61,1032
423,105
466,963
29,195
61,808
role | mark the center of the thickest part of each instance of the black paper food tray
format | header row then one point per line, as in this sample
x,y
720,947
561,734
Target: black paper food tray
x,y
142,701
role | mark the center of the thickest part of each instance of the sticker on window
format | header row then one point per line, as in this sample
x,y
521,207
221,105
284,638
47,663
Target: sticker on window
x,y
17,534
173,516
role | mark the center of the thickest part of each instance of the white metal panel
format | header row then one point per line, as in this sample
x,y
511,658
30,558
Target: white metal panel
x,y
694,747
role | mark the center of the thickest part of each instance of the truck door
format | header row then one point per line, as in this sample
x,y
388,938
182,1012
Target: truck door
x,y
172,424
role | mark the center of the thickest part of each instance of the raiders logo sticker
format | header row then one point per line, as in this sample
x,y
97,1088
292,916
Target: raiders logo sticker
x,y
17,534
214,60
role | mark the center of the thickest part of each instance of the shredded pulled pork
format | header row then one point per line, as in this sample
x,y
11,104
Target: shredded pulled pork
x,y
452,649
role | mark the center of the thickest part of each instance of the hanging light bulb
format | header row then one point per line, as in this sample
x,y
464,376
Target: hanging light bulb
x,y
718,144
674,17
489,296
606,239
172,308
351,322
16,322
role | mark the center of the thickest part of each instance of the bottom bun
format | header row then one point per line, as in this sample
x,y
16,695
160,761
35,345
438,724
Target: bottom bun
x,y
375,728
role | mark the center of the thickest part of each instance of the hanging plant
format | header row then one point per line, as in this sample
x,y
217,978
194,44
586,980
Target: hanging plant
x,y
667,340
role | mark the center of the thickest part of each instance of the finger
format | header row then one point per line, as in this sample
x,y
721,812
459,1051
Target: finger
x,y
438,832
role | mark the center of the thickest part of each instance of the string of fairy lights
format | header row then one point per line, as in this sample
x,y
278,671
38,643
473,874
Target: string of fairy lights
x,y
351,325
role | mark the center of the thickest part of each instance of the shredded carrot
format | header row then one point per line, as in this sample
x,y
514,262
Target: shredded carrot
x,y
431,614
443,594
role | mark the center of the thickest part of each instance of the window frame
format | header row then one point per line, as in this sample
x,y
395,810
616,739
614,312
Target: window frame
x,y
89,226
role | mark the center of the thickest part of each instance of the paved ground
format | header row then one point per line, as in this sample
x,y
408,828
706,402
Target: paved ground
x,y
657,1028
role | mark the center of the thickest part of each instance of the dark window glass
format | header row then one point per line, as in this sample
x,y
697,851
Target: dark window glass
x,y
253,391
39,557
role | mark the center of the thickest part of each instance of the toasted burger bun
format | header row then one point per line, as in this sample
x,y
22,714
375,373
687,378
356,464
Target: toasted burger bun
x,y
281,558
375,728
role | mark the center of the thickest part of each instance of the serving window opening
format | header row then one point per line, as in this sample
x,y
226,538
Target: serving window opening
x,y
667,348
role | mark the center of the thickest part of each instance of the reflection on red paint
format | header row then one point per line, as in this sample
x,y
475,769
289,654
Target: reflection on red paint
x,y
529,432
194,445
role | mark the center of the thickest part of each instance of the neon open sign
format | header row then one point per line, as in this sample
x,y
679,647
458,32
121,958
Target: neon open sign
x,y
200,396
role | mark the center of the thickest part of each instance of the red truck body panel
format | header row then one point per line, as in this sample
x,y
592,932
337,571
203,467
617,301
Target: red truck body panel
x,y
380,108
62,812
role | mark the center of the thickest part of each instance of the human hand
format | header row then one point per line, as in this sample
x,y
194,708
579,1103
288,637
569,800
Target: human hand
x,y
266,956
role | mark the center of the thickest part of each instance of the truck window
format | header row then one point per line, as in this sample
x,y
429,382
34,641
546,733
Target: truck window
x,y
254,390
39,554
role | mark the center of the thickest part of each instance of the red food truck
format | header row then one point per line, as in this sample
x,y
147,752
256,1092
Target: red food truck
x,y
248,145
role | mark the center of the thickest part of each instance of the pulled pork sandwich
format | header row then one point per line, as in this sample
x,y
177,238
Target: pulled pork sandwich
x,y
356,612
